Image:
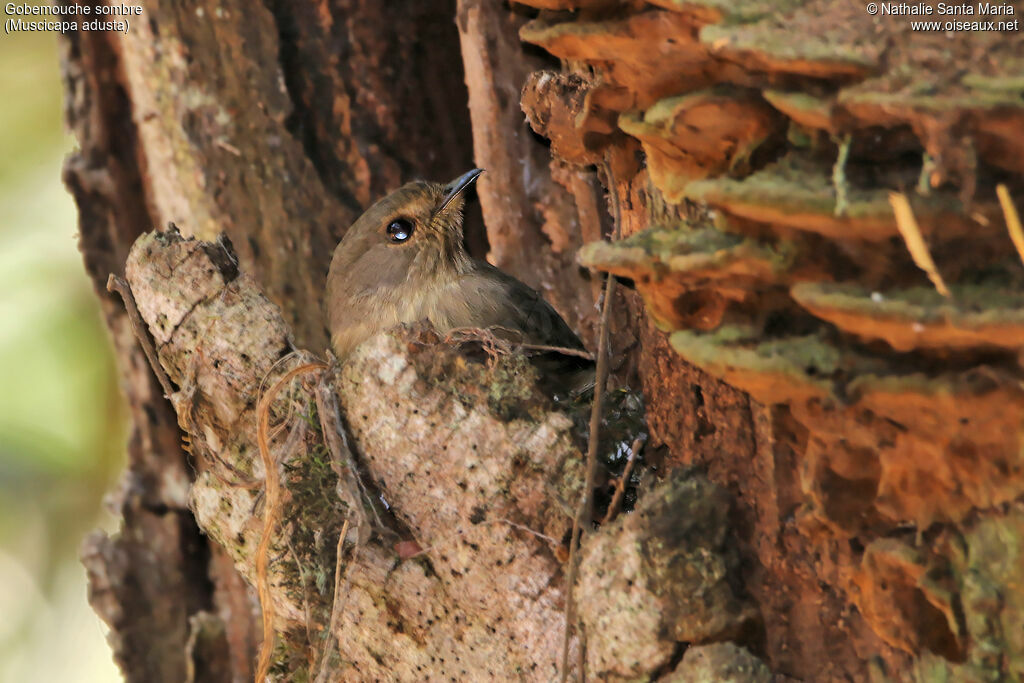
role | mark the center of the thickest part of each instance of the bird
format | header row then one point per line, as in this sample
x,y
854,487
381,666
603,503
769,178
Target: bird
x,y
404,261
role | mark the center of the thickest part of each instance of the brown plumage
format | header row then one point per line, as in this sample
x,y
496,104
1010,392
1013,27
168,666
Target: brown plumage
x,y
404,261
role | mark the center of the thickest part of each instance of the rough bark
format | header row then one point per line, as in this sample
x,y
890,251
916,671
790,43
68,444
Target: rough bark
x,y
866,429
227,117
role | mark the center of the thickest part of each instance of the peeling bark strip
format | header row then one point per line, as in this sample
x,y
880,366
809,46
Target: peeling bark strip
x,y
476,466
534,220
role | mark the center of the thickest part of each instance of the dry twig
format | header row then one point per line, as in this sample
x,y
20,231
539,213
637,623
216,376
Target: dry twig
x,y
564,350
1013,225
494,344
620,489
907,225
585,510
839,181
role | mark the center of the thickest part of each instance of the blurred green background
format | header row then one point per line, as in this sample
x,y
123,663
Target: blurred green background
x,y
62,422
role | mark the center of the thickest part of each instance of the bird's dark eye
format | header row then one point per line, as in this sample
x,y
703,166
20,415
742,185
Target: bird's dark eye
x,y
399,230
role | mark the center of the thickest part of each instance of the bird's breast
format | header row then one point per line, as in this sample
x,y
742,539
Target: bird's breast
x,y
446,305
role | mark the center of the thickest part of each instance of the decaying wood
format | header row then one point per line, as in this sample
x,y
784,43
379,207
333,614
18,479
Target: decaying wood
x,y
818,376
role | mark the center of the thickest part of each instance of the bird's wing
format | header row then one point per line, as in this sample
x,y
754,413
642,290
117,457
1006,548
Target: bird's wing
x,y
523,310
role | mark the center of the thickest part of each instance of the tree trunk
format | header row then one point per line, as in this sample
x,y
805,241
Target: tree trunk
x,y
834,463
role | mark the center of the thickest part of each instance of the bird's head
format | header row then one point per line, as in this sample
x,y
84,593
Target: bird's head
x,y
418,227
392,259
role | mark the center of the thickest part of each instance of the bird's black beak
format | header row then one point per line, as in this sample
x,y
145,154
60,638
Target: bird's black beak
x,y
455,187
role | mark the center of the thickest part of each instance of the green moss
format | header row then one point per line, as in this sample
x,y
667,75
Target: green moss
x,y
745,347
742,355
655,247
658,119
1011,80
510,384
969,306
742,11
926,94
839,183
541,32
504,382
777,42
312,518
799,185
681,248
794,184
800,101
660,115
290,660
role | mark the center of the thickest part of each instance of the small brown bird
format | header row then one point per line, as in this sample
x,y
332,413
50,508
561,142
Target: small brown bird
x,y
404,261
